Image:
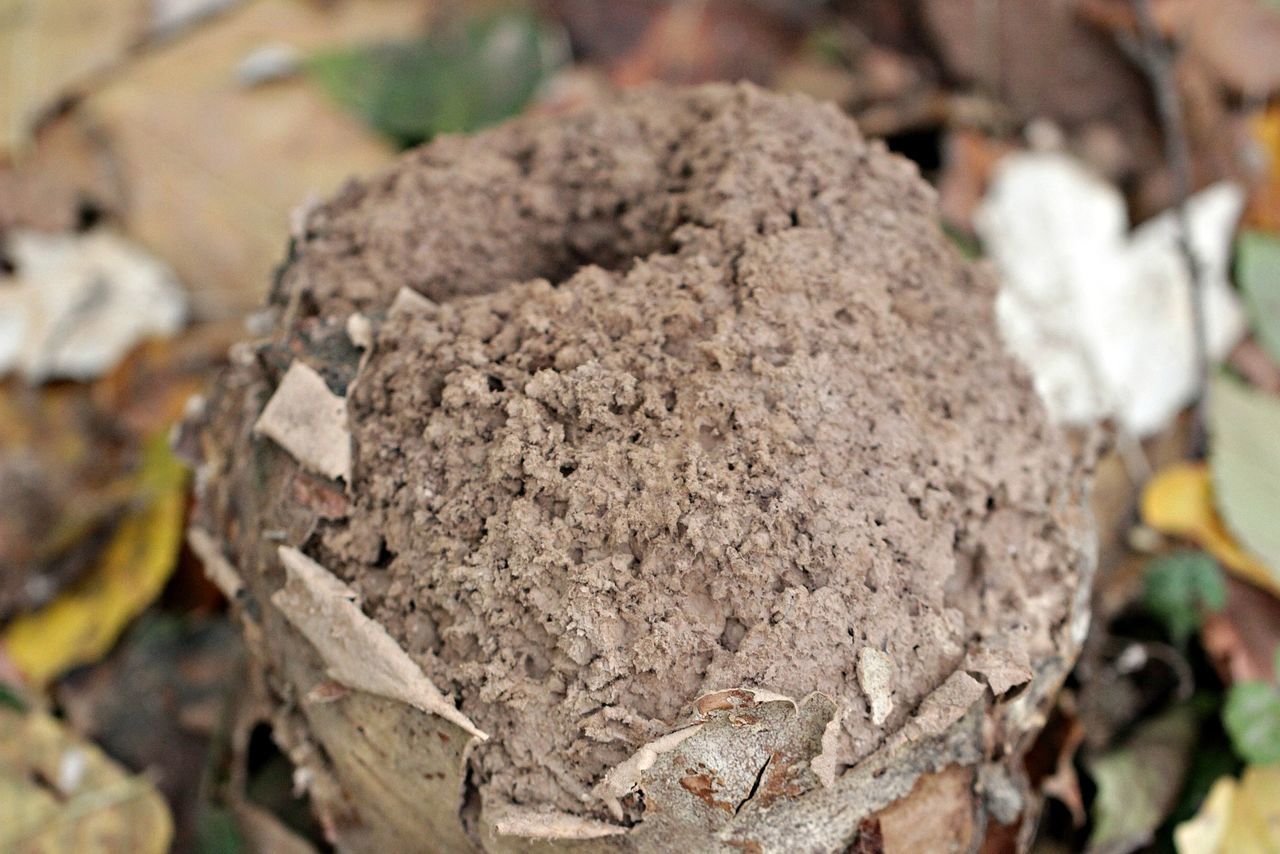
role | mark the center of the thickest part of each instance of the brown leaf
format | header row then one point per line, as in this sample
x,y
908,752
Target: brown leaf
x,y
969,158
1264,201
66,172
1064,784
53,47
212,168
1235,38
936,816
1243,637
713,40
1256,365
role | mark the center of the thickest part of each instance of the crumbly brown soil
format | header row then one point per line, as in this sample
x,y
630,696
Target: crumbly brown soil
x,y
703,398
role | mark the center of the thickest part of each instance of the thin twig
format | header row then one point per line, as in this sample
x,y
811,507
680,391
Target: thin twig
x,y
1156,58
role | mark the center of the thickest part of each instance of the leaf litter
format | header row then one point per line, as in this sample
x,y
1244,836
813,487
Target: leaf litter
x,y
1206,519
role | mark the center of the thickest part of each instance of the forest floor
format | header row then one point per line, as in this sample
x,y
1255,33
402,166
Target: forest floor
x,y
1109,158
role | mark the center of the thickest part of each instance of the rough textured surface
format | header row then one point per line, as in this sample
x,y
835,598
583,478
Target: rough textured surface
x,y
700,397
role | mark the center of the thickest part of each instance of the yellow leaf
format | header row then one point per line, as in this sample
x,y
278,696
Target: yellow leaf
x,y
1179,501
1238,817
60,794
82,624
1264,199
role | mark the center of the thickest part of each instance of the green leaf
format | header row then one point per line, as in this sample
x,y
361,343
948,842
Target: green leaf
x,y
11,699
1258,269
1251,716
1138,783
468,75
1180,589
1245,460
216,832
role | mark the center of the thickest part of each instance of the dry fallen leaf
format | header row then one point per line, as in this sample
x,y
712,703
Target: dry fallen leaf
x,y
60,794
1138,782
710,40
1263,212
82,624
52,47
1244,456
936,816
1242,638
1239,816
212,168
1179,501
1234,38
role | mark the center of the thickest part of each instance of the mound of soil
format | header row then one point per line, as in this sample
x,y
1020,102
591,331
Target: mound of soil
x,y
679,394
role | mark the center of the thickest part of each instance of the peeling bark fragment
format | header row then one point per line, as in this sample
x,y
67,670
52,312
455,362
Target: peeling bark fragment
x,y
625,778
511,820
407,301
216,567
825,763
1003,668
752,750
942,708
310,422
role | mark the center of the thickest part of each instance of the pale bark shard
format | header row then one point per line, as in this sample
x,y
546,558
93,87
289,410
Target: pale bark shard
x,y
310,422
519,821
357,651
216,566
875,676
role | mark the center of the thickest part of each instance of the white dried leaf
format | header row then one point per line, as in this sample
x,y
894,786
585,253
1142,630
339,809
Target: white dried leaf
x,y
168,17
357,651
1103,317
875,676
77,303
310,422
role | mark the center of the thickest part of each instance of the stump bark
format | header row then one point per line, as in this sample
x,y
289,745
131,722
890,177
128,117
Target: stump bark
x,y
645,478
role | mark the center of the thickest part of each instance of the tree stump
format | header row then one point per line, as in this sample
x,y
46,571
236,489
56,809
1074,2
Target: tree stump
x,y
649,478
